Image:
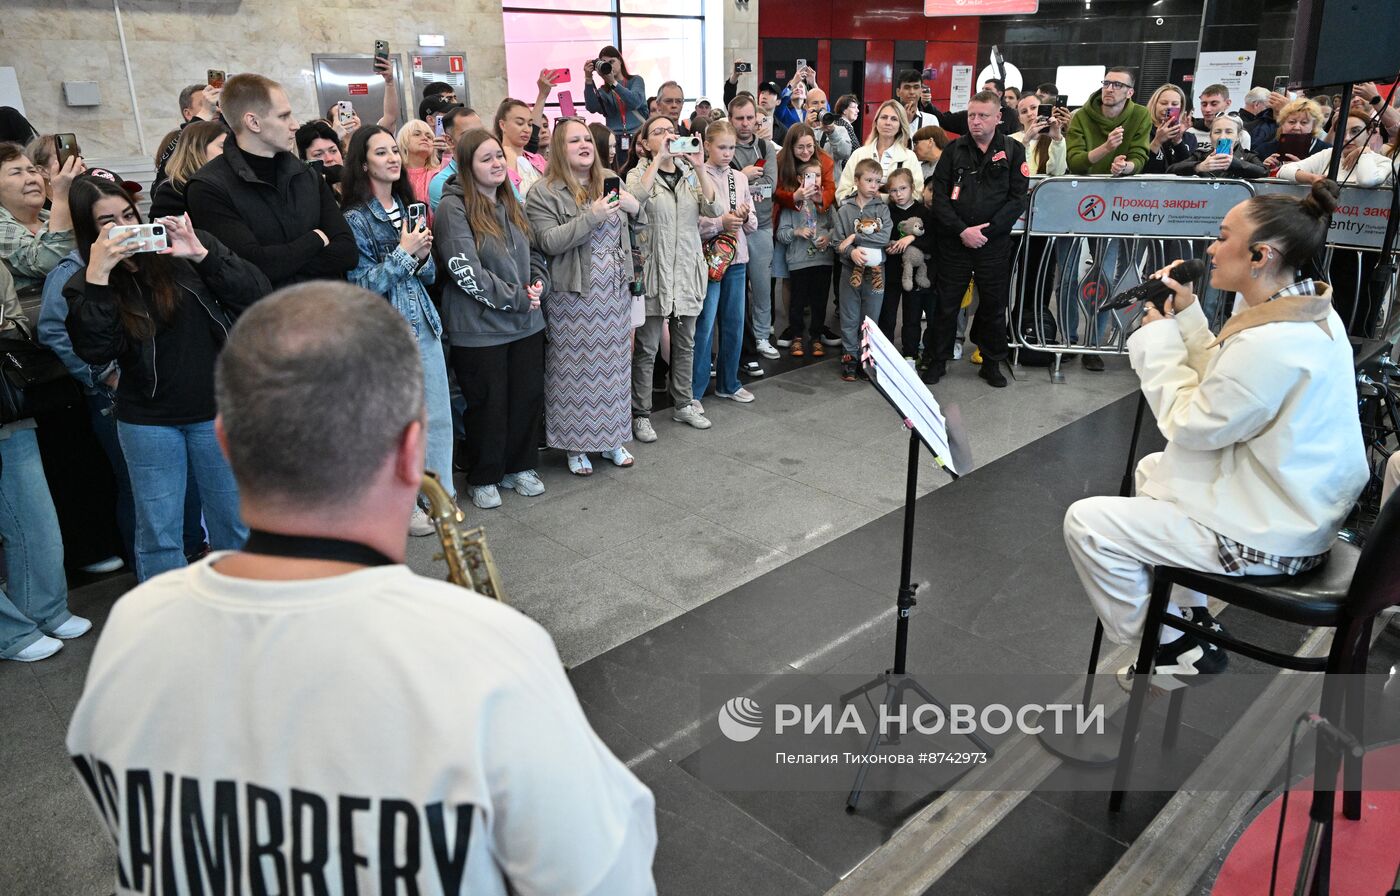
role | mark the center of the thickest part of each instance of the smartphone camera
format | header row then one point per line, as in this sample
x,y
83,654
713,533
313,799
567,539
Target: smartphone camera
x,y
680,146
743,67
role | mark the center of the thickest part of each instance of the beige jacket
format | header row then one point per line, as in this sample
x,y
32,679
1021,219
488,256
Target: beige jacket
x,y
674,273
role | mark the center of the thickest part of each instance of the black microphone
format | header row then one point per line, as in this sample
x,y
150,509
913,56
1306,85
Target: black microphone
x,y
1155,291
1315,721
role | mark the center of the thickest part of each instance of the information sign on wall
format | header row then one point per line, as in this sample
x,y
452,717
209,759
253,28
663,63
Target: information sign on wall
x,y
1234,69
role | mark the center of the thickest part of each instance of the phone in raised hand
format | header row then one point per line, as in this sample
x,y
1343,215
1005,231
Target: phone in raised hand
x,y
566,104
146,237
381,50
344,111
65,147
417,216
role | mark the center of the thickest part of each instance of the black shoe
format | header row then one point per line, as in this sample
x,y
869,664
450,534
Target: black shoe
x,y
991,372
751,368
785,339
1201,618
1093,362
830,339
933,371
1184,662
459,456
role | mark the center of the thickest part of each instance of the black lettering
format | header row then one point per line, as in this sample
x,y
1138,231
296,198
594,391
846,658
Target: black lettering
x,y
309,867
226,858
349,859
140,826
112,801
167,833
90,782
396,815
269,848
451,858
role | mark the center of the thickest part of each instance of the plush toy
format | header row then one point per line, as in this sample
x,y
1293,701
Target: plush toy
x,y
915,261
868,226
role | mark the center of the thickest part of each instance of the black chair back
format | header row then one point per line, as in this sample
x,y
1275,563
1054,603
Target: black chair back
x,y
1376,583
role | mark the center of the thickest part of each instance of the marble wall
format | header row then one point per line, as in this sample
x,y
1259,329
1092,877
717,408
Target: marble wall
x,y
171,43
740,43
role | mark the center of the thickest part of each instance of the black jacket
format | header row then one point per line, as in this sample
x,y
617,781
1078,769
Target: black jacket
x,y
271,224
166,199
991,186
220,287
1243,164
1169,154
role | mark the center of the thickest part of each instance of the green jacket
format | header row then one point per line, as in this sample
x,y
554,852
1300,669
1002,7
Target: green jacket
x,y
1089,128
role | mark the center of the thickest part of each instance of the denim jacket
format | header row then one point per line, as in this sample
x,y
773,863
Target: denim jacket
x,y
388,270
52,331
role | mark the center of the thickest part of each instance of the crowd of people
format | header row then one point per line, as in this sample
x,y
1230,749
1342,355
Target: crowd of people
x,y
559,275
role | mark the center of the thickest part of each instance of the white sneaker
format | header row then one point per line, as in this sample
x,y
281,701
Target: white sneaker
x,y
111,564
643,430
75,627
957,350
485,496
526,483
743,396
41,649
420,524
692,416
766,349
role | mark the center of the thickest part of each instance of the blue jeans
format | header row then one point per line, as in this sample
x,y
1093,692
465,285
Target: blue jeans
x,y
724,302
438,400
38,590
158,459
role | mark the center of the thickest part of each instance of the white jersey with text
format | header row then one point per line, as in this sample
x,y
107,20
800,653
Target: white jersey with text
x,y
375,732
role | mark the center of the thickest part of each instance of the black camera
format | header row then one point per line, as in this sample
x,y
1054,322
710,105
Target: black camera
x,y
603,66
743,67
829,119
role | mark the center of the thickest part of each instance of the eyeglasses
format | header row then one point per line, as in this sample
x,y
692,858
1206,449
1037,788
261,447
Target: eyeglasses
x,y
1116,85
664,132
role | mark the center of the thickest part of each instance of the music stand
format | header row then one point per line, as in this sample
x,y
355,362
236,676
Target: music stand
x,y
896,380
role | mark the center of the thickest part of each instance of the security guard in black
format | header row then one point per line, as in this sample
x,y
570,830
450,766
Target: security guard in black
x,y
979,191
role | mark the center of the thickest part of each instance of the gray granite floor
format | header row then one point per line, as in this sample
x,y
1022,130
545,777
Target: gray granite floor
x,y
597,561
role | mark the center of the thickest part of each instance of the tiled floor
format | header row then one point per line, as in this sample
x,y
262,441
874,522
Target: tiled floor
x,y
624,569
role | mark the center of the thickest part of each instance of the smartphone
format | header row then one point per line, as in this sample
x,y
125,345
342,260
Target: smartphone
x,y
801,64
809,179
680,146
743,66
611,185
760,162
928,74
559,75
438,129
214,77
566,104
148,237
1062,102
345,111
1296,145
762,191
1045,110
417,216
381,50
1224,146
65,147
1281,84
1174,115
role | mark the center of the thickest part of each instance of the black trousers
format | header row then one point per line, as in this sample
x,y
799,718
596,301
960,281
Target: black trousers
x,y
957,266
809,288
504,389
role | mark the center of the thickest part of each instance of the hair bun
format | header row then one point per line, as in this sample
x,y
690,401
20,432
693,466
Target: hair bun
x,y
1322,200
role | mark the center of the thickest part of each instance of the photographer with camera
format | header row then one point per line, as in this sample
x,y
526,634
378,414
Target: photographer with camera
x,y
1264,455
622,98
162,317
675,191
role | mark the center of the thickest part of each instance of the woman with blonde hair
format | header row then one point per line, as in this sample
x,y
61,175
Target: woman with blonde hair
x,y
1170,140
1299,117
199,142
418,150
582,230
888,144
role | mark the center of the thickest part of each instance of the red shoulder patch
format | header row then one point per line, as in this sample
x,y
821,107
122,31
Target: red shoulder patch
x,y
1025,170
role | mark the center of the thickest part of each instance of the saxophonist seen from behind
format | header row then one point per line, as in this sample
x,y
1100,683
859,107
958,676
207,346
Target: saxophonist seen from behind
x,y
308,715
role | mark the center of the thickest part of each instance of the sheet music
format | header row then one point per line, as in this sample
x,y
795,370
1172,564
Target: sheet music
x,y
900,383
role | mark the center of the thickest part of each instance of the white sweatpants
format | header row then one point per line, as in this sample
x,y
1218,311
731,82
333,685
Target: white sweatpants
x,y
1114,543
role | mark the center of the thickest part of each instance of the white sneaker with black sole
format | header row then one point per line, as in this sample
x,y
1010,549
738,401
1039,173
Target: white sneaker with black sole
x,y
1185,662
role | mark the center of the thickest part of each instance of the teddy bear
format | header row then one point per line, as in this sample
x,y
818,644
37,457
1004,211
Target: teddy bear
x,y
868,226
915,261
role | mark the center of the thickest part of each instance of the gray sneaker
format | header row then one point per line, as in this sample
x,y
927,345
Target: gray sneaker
x,y
485,496
526,483
642,429
691,415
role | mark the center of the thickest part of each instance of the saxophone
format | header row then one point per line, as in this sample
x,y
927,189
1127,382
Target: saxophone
x,y
469,561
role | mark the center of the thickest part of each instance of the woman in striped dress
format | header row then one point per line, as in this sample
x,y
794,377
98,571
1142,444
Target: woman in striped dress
x,y
588,369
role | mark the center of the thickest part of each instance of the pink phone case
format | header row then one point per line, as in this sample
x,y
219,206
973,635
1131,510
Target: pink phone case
x,y
566,104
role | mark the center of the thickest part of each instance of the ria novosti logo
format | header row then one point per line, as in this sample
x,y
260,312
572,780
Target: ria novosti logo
x,y
740,719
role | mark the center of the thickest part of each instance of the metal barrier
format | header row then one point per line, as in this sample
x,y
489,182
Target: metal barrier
x,y
1087,239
